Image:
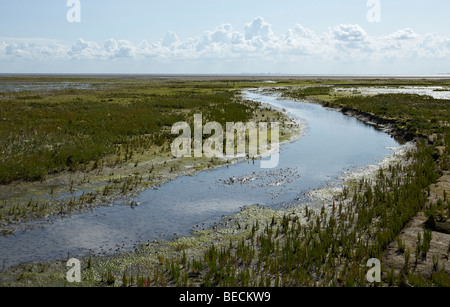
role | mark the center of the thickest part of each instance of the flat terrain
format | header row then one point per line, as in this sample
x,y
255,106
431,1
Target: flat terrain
x,y
83,144
379,216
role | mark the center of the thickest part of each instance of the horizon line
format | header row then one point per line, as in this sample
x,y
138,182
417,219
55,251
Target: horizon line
x,y
241,75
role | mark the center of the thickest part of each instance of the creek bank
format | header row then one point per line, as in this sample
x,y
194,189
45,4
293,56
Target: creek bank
x,y
231,228
27,205
394,258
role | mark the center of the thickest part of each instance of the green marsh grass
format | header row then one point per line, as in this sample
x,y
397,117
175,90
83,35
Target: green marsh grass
x,y
333,247
328,246
44,133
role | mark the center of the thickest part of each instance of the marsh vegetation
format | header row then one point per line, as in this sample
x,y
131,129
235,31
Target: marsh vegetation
x,y
326,246
43,133
65,150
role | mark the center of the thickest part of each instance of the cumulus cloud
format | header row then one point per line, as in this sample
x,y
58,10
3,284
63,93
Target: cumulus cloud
x,y
348,43
352,38
301,31
350,33
218,40
30,49
111,45
434,46
82,49
222,34
170,39
258,29
125,49
403,34
111,49
300,40
344,43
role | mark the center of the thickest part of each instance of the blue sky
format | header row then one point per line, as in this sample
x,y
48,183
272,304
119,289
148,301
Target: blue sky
x,y
217,36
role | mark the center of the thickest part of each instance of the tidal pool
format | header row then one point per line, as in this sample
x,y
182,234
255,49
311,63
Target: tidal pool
x,y
331,145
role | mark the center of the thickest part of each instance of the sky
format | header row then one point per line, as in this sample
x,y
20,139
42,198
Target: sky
x,y
367,37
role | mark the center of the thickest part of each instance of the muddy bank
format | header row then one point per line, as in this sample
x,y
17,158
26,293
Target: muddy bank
x,y
108,183
403,252
231,228
142,261
147,259
387,125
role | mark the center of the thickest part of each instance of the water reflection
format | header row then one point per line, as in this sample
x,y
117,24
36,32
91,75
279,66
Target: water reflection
x,y
332,143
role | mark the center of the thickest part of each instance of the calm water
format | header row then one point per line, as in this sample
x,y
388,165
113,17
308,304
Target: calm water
x,y
332,144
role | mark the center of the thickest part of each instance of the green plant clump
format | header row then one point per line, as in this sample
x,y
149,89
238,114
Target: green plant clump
x,y
48,132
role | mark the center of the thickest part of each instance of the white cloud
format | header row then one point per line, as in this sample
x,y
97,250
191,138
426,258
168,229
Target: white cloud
x,y
228,49
350,33
222,34
111,45
258,29
170,39
303,32
301,41
350,40
125,49
434,46
82,49
12,49
403,34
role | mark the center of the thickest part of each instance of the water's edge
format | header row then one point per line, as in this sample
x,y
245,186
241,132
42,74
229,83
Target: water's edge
x,y
194,202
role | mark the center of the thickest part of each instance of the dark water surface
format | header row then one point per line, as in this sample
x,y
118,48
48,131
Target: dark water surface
x,y
332,143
